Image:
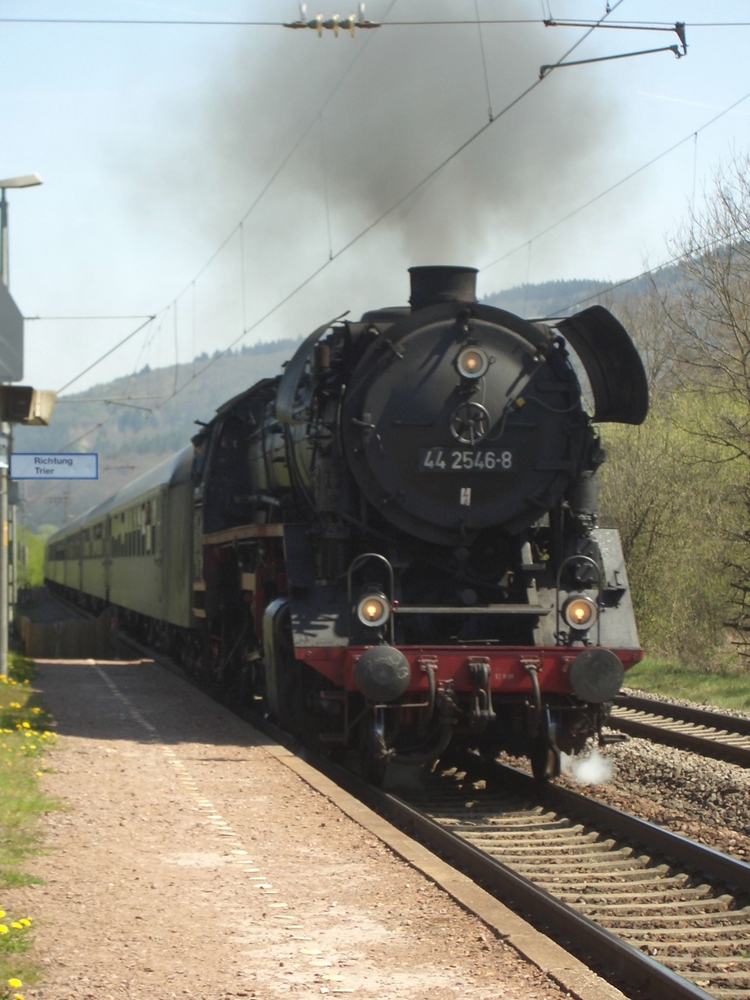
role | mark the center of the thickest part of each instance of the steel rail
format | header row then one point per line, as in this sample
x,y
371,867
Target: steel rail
x,y
674,846
714,744
699,716
572,929
621,959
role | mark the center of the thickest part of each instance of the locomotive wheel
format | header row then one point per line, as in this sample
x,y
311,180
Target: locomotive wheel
x,y
545,760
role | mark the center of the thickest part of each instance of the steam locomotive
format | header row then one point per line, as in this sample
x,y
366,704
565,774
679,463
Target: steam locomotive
x,y
393,546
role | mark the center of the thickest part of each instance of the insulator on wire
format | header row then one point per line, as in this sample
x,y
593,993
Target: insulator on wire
x,y
333,23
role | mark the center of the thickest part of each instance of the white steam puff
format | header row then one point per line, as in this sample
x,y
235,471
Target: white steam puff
x,y
589,770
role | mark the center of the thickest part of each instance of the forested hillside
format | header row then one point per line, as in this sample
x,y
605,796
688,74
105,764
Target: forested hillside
x,y
132,423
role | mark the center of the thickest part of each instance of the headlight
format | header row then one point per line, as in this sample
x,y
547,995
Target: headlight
x,y
374,610
580,612
472,362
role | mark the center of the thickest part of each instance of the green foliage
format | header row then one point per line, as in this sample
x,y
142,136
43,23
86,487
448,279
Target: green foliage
x,y
24,738
31,563
673,496
725,688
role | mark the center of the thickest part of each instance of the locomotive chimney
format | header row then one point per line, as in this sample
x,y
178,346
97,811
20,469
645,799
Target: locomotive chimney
x,y
432,286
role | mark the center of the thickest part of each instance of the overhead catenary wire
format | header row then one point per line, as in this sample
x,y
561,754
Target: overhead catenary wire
x,y
581,302
333,256
691,136
192,284
318,270
440,23
602,194
206,23
710,245
106,354
527,244
46,318
400,201
484,63
285,159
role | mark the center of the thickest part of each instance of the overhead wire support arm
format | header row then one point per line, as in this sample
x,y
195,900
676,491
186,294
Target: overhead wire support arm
x,y
678,50
544,70
678,27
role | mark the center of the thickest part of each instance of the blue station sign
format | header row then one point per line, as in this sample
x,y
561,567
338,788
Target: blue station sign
x,y
55,466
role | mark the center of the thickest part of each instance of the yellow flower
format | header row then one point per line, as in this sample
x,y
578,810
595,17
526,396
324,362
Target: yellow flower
x,y
3,929
26,921
26,725
15,704
18,927
15,983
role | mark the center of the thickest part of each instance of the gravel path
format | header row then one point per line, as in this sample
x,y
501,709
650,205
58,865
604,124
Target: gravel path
x,y
187,861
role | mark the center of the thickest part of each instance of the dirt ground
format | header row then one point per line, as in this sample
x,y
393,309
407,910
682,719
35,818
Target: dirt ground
x,y
186,860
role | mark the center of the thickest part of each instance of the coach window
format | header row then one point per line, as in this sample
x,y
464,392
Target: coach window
x,y
97,545
146,527
155,515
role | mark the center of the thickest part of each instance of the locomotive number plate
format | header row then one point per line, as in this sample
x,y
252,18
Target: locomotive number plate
x,y
465,460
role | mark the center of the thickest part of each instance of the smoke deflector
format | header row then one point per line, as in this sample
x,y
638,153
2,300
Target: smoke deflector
x,y
612,363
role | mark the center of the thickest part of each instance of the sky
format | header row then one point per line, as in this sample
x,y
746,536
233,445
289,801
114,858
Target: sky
x,y
243,182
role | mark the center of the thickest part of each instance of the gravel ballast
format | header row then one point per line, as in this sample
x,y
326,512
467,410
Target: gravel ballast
x,y
705,799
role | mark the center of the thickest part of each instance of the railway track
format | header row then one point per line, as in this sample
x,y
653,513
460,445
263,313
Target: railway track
x,y
661,915
700,730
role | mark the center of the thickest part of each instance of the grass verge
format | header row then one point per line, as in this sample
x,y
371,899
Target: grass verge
x,y
728,687
25,736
